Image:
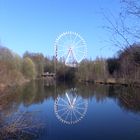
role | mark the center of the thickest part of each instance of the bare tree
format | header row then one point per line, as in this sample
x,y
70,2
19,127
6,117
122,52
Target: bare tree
x,y
132,7
131,11
124,27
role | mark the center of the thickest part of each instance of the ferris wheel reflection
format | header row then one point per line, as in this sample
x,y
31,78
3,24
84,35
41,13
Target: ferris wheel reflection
x,y
70,108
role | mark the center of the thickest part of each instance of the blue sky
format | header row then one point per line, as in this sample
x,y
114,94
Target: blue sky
x,y
33,25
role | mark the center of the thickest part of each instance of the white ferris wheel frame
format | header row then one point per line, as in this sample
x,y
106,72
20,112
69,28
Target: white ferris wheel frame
x,y
71,49
70,109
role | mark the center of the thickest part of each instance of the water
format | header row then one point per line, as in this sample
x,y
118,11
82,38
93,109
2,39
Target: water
x,y
74,112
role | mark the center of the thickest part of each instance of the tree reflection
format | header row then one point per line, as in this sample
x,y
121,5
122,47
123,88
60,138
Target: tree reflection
x,y
15,124
20,125
129,99
36,92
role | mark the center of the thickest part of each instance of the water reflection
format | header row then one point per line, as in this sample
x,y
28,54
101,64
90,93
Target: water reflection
x,y
70,108
21,125
36,92
101,104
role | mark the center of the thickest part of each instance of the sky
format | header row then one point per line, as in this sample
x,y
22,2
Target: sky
x,y
33,25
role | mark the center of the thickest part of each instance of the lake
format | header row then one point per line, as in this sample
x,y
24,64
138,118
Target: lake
x,y
71,112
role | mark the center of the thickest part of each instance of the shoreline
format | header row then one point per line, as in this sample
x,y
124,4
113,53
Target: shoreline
x,y
4,86
113,81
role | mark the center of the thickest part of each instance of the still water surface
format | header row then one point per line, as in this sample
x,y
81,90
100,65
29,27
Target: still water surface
x,y
75,112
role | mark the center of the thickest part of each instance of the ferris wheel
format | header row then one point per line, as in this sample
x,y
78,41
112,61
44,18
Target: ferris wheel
x,y
70,48
70,108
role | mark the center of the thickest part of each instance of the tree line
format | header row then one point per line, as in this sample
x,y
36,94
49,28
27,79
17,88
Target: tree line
x,y
125,66
15,69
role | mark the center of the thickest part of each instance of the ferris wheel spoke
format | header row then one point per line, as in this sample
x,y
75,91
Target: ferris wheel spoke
x,y
67,115
60,44
79,57
66,38
80,103
80,41
61,51
62,55
64,101
63,109
62,39
64,113
80,51
63,45
71,116
78,112
75,115
74,56
71,38
82,108
62,105
78,99
75,38
77,51
77,47
63,48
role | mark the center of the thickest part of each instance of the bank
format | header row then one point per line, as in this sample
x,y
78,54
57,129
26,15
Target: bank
x,y
113,81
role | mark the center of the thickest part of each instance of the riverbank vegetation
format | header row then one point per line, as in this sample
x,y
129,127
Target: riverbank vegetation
x,y
124,68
